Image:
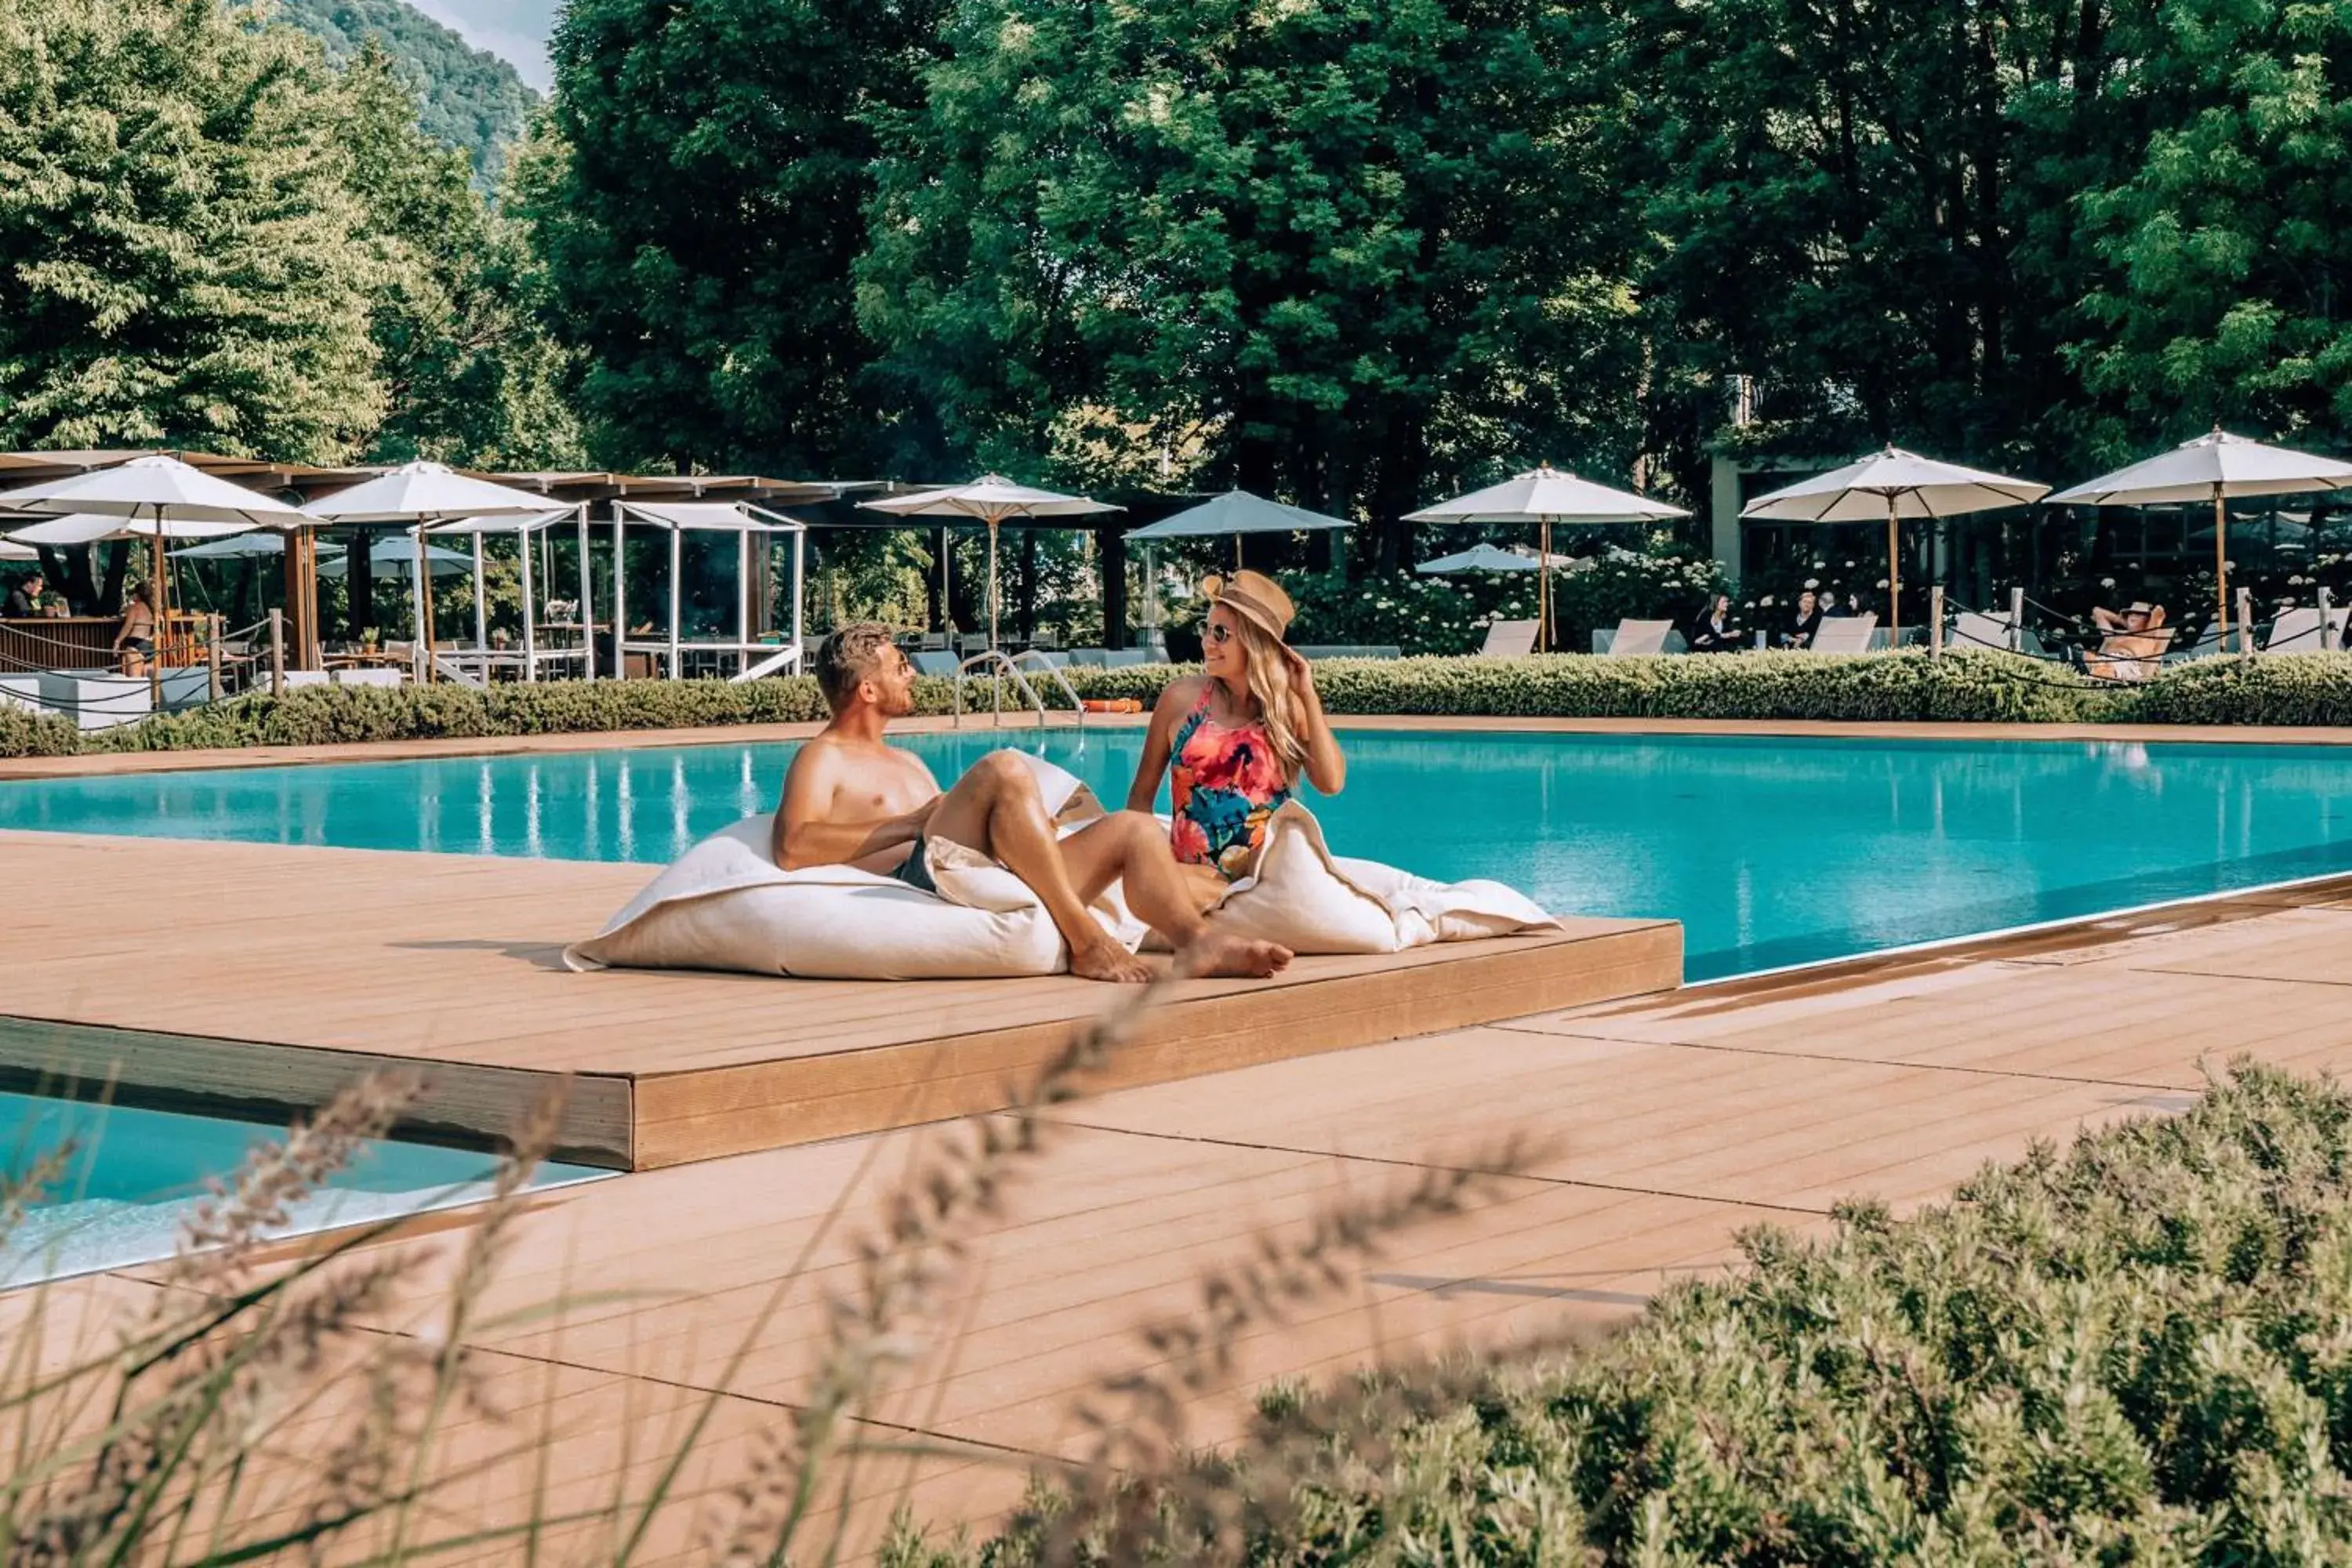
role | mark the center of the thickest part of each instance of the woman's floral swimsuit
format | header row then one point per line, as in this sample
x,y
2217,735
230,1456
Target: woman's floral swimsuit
x,y
1222,784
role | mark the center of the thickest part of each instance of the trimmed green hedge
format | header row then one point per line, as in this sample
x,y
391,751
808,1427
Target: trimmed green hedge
x,y
1977,687
2138,1352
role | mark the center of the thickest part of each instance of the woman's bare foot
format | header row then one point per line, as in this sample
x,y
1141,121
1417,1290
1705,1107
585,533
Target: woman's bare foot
x,y
1106,960
1239,957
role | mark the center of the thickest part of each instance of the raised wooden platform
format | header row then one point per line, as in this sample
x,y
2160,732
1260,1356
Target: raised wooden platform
x,y
261,979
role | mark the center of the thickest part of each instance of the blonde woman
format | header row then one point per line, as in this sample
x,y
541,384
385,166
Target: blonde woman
x,y
1239,736
134,641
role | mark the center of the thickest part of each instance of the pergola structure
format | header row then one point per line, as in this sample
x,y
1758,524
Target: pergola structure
x,y
746,523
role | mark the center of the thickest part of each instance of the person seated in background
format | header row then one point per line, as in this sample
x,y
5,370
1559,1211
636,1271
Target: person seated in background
x,y
1713,631
2135,643
24,600
2139,618
1809,621
1831,607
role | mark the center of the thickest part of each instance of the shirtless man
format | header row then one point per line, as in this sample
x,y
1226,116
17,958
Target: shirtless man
x,y
852,799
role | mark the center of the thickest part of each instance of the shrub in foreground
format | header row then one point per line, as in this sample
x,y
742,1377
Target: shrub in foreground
x,y
2138,1351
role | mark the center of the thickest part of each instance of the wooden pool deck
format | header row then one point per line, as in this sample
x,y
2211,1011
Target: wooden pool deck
x,y
262,979
1679,1121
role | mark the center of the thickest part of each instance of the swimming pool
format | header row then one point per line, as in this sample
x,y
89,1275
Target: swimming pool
x,y
1770,851
135,1174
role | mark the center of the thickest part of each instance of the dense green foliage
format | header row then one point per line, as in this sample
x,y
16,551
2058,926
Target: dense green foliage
x,y
182,262
465,98
2288,689
2136,1351
700,216
211,237
1362,249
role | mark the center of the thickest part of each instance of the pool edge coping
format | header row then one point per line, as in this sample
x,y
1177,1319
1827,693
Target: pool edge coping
x,y
119,764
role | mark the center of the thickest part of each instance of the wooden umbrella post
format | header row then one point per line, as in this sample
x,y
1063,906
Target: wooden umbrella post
x,y
2221,571
1543,589
160,601
1894,579
423,604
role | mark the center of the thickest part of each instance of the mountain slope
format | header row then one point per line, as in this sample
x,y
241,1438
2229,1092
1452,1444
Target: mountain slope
x,y
470,98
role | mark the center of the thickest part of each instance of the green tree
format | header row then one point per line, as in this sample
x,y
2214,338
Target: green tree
x,y
700,222
182,262
2217,246
1349,251
465,98
470,377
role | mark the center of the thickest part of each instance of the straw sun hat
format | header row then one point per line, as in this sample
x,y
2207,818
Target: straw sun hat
x,y
1255,596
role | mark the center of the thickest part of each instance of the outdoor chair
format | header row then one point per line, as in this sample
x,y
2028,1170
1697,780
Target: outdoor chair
x,y
1844,634
2296,631
2208,644
934,661
1976,632
1509,639
932,642
1635,639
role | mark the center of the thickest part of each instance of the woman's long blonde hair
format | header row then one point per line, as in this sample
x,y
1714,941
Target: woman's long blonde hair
x,y
1269,683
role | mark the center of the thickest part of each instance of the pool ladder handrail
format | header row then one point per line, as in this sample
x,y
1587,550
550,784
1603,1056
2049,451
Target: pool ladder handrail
x,y
1000,664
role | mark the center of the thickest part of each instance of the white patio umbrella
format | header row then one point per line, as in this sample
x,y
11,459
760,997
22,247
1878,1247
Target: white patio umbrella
x,y
1238,512
444,563
154,498
425,493
1545,495
2215,466
992,499
1893,484
1478,558
11,550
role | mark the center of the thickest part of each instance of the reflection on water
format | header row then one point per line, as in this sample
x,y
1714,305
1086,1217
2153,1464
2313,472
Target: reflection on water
x,y
1770,851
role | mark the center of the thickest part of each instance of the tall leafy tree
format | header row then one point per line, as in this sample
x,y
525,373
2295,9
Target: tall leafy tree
x,y
701,222
470,375
1353,251
2219,245
182,262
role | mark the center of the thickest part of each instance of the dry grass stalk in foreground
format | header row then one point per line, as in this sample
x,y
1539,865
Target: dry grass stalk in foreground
x,y
178,1445
247,1371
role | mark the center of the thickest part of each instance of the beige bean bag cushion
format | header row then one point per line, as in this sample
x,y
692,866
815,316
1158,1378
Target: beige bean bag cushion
x,y
726,905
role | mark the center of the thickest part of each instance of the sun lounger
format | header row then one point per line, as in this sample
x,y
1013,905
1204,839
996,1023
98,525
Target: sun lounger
x,y
1844,634
1346,650
934,661
1976,632
1636,640
2209,643
1509,639
2296,631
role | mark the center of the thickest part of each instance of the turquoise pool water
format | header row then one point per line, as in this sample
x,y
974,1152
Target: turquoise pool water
x,y
1770,851
136,1173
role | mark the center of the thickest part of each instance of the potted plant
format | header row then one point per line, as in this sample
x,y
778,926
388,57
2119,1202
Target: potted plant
x,y
367,639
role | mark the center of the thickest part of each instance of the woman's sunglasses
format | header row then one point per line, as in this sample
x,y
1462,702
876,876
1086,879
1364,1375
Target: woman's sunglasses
x,y
1219,634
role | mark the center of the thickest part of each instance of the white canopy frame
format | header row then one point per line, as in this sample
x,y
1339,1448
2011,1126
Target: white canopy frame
x,y
530,535
753,659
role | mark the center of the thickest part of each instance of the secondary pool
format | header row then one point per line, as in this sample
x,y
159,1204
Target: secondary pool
x,y
1770,851
135,1174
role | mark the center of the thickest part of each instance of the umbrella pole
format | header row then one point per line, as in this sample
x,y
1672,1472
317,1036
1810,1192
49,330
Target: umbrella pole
x,y
1893,579
162,605
481,611
1543,588
2222,571
992,585
530,626
423,604
1237,551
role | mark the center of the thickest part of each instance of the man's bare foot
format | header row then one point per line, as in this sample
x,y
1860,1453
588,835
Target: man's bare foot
x,y
1106,960
1239,957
